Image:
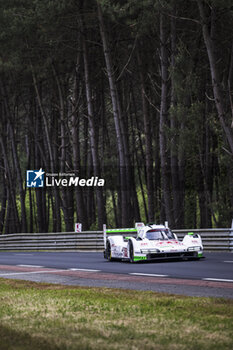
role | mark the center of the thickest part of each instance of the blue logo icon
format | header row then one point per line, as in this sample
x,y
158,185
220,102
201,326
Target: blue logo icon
x,y
35,178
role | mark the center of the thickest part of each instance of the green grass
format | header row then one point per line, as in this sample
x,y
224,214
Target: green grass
x,y
43,316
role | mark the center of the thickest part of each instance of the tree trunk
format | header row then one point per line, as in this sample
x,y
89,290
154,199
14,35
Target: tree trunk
x,y
117,114
4,197
41,224
176,190
23,227
66,199
165,171
93,136
56,213
12,224
216,83
148,139
81,213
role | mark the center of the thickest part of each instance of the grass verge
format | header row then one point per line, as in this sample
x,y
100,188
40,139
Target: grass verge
x,y
53,317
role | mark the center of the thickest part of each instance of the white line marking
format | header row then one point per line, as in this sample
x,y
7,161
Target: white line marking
x,y
217,279
228,261
87,270
30,266
29,273
147,274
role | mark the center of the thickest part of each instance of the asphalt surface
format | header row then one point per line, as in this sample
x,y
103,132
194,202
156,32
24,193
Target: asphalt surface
x,y
212,276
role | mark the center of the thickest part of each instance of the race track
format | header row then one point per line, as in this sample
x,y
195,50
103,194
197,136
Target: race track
x,y
212,276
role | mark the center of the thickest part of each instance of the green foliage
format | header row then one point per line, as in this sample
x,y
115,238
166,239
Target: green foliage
x,y
34,31
138,15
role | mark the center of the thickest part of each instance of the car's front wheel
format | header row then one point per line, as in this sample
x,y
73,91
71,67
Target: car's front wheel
x,y
131,252
108,251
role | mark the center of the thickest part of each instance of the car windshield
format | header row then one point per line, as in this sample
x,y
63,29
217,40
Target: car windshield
x,y
154,235
159,234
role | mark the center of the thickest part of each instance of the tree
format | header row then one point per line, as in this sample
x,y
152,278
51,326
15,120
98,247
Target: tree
x,y
208,22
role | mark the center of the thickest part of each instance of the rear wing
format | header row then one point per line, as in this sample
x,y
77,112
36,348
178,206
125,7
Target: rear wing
x,y
120,230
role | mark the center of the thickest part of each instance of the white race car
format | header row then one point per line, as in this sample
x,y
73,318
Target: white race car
x,y
151,242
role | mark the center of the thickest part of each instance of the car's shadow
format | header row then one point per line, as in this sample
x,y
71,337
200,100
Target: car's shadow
x,y
166,260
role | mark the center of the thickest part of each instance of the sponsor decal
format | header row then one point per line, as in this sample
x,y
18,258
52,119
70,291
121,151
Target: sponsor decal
x,y
125,252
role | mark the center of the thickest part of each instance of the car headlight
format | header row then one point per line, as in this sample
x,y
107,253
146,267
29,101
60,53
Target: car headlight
x,y
194,249
148,251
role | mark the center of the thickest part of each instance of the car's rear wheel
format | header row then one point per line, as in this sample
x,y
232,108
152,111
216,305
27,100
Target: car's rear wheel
x,y
108,251
131,252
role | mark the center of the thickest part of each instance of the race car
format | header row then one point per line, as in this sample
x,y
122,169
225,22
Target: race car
x,y
151,242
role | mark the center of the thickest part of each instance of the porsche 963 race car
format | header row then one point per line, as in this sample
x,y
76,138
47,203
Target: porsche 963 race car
x,y
151,242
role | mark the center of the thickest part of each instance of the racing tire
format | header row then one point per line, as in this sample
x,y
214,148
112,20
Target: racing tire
x,y
108,251
131,252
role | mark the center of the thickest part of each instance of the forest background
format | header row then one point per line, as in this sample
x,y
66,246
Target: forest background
x,y
138,93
